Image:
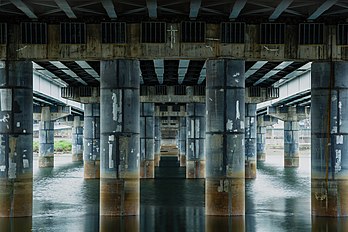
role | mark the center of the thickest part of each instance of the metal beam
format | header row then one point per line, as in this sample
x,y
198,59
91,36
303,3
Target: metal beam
x,y
152,8
24,8
283,5
254,68
109,8
237,8
64,6
324,7
194,8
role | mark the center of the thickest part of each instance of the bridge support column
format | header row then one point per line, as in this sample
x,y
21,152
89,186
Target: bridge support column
x,y
91,141
120,128
157,140
291,115
291,146
329,138
182,141
16,135
46,135
262,122
225,102
77,140
147,140
261,143
250,140
195,163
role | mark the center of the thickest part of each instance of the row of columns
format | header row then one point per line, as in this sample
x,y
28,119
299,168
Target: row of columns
x,y
226,135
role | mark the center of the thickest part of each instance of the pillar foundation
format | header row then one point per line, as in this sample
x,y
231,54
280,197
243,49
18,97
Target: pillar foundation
x,y
77,140
46,135
250,141
291,146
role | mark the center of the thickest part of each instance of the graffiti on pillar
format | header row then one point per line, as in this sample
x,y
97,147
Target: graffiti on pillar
x,y
223,187
117,109
338,160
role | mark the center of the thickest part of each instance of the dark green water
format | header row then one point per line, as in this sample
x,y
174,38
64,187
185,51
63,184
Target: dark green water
x,y
278,200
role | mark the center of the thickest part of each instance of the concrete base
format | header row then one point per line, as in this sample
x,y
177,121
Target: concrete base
x,y
129,224
77,157
119,197
250,169
92,169
195,169
182,160
291,162
157,159
333,203
216,223
46,161
261,157
147,169
16,198
225,197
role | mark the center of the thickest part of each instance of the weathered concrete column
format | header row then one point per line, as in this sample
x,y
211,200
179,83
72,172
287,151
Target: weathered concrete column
x,y
195,160
225,157
147,140
16,135
329,138
120,128
77,140
262,122
250,140
291,115
182,141
157,140
291,146
91,141
46,135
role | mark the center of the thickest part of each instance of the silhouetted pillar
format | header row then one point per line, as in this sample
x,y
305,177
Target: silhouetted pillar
x,y
291,146
120,129
250,140
225,149
46,135
329,139
157,140
91,141
77,140
16,135
182,141
147,140
195,160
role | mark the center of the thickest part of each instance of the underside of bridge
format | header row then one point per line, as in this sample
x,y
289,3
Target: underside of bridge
x,y
185,76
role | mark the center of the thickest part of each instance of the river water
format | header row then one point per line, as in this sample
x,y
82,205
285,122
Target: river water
x,y
278,200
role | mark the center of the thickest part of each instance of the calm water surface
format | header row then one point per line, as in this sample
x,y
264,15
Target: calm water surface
x,y
278,200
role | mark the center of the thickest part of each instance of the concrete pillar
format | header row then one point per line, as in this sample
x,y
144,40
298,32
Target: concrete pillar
x,y
157,140
225,150
46,135
262,122
77,140
91,141
261,143
120,129
195,160
291,115
329,139
182,141
16,138
291,147
147,140
250,140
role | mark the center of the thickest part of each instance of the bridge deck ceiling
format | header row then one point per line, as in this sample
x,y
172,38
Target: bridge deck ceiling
x,y
134,10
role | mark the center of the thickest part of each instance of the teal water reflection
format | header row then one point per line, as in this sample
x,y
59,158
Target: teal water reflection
x,y
278,200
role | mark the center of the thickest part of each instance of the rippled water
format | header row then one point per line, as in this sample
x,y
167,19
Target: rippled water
x,y
278,200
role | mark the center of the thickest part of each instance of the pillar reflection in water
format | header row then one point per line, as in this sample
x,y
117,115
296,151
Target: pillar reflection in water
x,y
16,224
221,224
119,224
